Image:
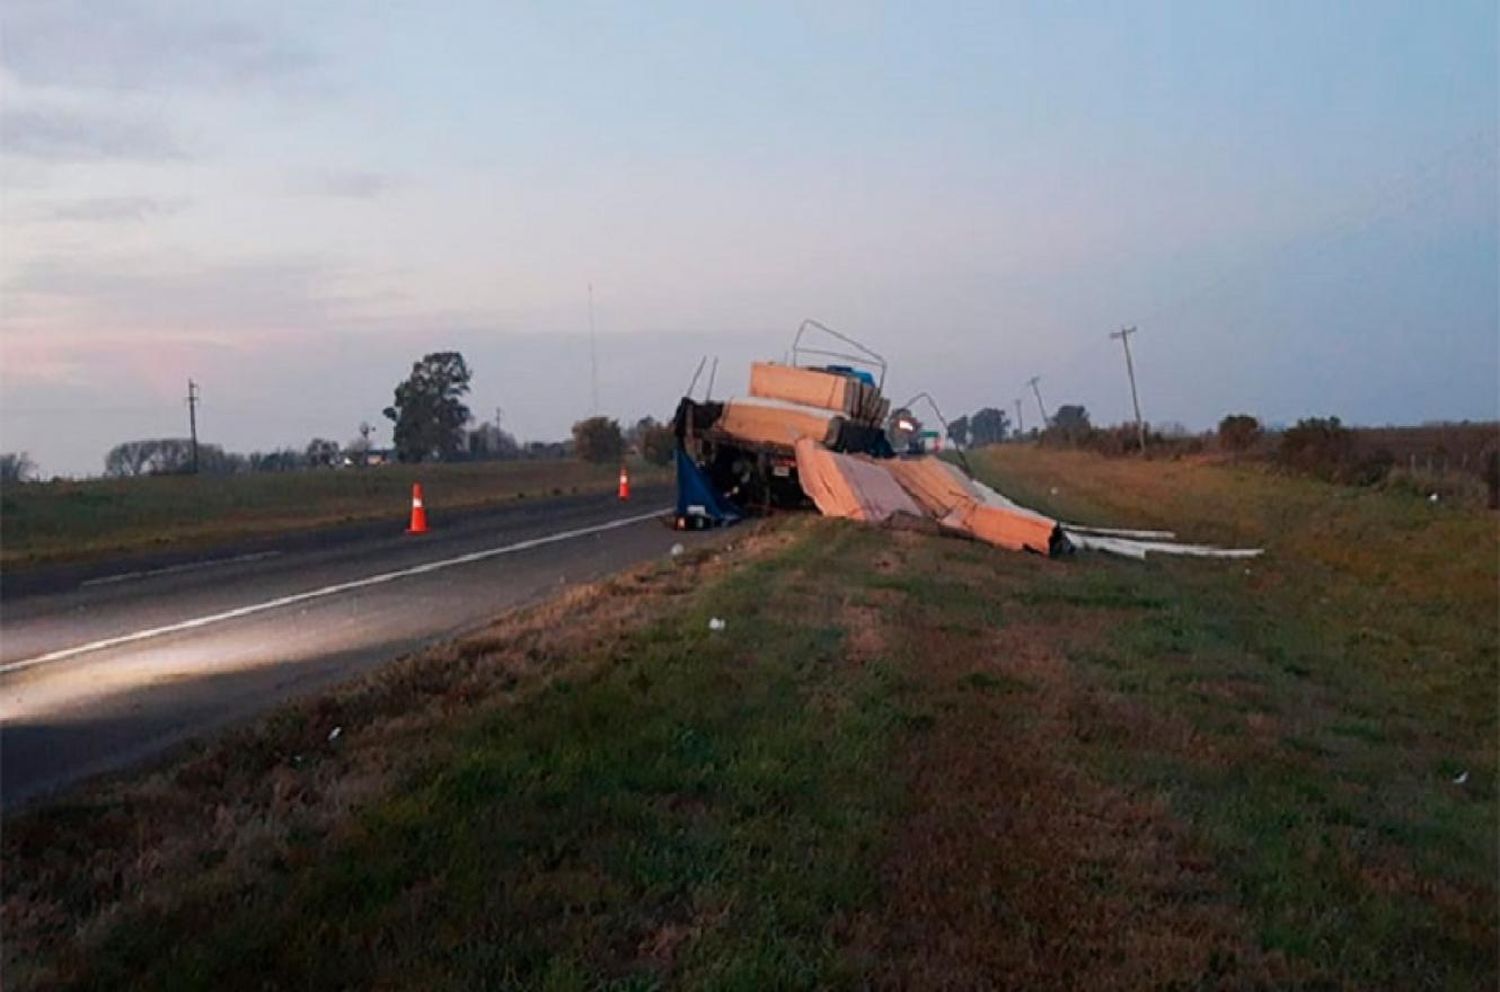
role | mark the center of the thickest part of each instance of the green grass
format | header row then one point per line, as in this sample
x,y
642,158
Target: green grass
x,y
1351,676
54,521
685,807
909,761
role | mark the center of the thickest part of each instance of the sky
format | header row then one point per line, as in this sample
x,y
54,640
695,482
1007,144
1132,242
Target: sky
x,y
1295,203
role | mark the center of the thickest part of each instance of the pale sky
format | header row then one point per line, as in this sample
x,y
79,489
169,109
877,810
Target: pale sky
x,y
290,202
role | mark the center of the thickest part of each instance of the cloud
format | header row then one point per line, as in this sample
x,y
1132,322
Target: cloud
x,y
58,135
111,209
169,296
133,44
352,185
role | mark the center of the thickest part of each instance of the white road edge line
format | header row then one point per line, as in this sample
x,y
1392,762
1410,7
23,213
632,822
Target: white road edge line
x,y
302,597
170,569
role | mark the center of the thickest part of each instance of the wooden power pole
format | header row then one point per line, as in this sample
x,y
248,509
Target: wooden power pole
x,y
1032,382
192,405
1020,421
1140,428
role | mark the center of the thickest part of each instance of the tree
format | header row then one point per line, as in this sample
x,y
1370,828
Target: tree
x,y
428,411
1317,445
214,460
17,468
158,456
285,460
1071,423
322,453
488,441
988,426
958,431
598,439
128,458
1238,432
658,442
636,434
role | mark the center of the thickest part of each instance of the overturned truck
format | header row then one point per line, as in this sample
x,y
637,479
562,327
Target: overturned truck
x,y
818,431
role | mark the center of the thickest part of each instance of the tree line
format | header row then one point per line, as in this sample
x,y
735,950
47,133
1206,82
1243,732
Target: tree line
x,y
430,421
992,425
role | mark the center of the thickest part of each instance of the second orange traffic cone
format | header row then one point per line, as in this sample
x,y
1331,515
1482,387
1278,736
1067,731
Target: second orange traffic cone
x,y
418,511
624,483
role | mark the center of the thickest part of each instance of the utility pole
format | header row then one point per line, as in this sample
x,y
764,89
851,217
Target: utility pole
x,y
593,357
1039,405
1140,428
1020,421
192,403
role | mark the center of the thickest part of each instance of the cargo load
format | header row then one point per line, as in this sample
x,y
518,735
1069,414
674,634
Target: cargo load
x,y
840,391
777,422
852,486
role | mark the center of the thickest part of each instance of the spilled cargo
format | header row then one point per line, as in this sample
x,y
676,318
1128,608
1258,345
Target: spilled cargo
x,y
822,433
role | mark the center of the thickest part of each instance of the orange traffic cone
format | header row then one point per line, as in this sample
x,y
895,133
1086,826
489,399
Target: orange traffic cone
x,y
624,483
418,511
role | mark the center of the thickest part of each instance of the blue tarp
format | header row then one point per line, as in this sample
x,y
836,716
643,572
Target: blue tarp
x,y
696,496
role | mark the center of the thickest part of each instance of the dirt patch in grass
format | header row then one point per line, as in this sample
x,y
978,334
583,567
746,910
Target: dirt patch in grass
x,y
1018,868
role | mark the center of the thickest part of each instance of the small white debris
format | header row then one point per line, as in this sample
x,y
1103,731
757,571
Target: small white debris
x,y
333,734
715,623
1461,777
1053,490
1433,498
677,549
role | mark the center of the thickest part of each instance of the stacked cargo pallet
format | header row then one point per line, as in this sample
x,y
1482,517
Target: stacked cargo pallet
x,y
788,403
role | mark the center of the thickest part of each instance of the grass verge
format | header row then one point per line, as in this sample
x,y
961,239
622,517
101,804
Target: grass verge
x,y
909,761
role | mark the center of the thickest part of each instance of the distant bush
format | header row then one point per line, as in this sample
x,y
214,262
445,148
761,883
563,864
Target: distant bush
x,y
1325,448
1317,445
598,440
1238,432
658,443
1070,424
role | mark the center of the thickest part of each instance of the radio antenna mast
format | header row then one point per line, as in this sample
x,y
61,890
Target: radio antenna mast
x,y
593,358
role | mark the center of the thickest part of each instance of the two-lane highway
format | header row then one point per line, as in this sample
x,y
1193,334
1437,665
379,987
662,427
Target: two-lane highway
x,y
118,665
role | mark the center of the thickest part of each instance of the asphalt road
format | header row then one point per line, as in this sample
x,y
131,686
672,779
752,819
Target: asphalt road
x,y
112,667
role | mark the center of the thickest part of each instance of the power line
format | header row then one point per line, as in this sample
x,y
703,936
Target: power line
x,y
1140,428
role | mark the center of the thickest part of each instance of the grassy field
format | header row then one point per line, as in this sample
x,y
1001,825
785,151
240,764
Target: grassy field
x,y
54,521
909,761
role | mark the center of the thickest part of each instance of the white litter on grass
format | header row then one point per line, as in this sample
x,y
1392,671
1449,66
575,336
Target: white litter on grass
x,y
1433,498
1461,778
677,549
1139,549
333,734
715,623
